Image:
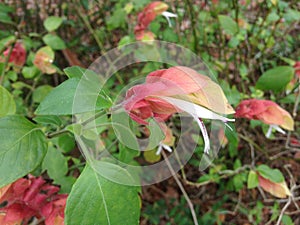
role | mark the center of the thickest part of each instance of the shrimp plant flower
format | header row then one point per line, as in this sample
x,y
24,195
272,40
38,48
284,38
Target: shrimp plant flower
x,y
149,13
266,111
17,55
178,89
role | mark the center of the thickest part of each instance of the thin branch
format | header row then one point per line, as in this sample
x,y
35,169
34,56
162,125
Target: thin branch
x,y
224,174
191,206
57,133
283,210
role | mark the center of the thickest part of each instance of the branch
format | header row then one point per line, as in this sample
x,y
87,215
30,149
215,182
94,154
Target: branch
x,y
181,188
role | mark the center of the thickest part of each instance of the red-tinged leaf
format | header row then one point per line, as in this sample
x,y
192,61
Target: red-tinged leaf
x,y
266,111
279,190
144,36
43,60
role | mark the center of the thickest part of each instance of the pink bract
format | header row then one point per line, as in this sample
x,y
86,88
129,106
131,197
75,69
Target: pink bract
x,y
266,111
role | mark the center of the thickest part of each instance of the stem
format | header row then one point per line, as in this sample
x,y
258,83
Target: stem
x,y
191,206
224,174
89,27
6,62
296,102
99,43
193,24
251,142
283,210
57,133
97,115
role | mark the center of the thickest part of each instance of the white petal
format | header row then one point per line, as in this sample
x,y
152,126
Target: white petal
x,y
268,134
204,134
195,110
169,14
161,147
159,150
227,125
166,147
276,127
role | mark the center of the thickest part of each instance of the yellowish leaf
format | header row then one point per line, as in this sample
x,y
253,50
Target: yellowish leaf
x,y
279,190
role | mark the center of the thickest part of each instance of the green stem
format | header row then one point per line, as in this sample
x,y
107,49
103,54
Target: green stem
x,y
89,27
252,143
226,174
99,43
92,118
57,133
6,61
193,24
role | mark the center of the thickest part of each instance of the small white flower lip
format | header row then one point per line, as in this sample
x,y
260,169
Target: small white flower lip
x,y
204,134
195,110
161,147
168,15
276,127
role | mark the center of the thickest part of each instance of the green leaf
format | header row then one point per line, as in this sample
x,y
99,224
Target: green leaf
x,y
275,79
287,220
5,18
126,154
30,72
157,135
75,129
5,41
252,180
6,8
74,71
65,183
151,156
11,75
234,42
60,100
22,148
228,24
41,92
55,42
123,130
116,20
7,103
52,23
55,163
238,182
96,200
124,41
291,15
66,143
51,119
273,175
233,141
